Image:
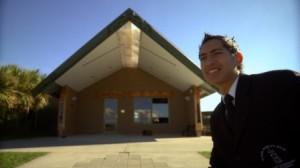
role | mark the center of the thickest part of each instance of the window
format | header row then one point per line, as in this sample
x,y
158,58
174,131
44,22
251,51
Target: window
x,y
110,114
151,110
142,110
160,110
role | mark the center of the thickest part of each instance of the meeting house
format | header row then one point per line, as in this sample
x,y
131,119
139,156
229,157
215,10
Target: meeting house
x,y
127,79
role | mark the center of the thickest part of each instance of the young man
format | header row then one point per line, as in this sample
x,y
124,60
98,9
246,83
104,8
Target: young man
x,y
255,124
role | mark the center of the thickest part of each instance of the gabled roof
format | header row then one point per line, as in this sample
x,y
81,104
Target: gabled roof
x,y
128,41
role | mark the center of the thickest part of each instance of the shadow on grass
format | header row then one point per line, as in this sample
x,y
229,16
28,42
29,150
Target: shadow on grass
x,y
206,154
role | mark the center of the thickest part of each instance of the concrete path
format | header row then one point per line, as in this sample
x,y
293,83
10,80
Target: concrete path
x,y
114,151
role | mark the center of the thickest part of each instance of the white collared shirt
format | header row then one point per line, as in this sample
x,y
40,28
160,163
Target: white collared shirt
x,y
232,90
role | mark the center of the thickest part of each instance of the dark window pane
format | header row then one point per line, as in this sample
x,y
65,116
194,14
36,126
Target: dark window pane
x,y
160,111
159,100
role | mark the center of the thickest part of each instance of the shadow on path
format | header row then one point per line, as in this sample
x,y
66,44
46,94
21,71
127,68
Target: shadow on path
x,y
78,140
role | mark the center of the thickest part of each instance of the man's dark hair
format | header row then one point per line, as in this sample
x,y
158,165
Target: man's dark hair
x,y
228,42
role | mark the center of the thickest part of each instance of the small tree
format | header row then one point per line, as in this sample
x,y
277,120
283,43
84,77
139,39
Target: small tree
x,y
8,92
16,98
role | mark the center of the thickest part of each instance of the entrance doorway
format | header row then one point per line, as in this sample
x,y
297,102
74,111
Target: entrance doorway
x,y
110,114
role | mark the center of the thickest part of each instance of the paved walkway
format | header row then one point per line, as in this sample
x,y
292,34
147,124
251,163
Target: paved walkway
x,y
114,151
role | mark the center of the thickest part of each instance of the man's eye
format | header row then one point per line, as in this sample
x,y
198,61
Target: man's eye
x,y
202,58
217,53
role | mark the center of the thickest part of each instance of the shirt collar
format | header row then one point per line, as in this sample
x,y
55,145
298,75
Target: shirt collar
x,y
232,90
233,87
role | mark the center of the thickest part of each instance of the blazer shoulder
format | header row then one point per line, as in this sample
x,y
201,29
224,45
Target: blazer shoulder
x,y
281,77
277,74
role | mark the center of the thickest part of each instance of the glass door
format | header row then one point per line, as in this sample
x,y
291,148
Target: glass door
x,y
110,114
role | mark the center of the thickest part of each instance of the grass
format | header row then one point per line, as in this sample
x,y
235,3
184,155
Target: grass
x,y
205,154
14,159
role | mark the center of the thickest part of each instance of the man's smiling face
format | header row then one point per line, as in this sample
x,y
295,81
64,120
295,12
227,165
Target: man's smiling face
x,y
219,66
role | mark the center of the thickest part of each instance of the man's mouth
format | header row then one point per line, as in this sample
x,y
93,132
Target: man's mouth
x,y
212,71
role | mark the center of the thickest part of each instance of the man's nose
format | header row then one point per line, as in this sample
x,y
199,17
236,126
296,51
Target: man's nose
x,y
209,61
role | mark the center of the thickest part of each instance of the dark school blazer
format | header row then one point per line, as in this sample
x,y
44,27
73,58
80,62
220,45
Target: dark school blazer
x,y
266,130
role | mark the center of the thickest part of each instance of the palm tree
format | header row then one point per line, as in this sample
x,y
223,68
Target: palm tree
x,y
16,85
8,93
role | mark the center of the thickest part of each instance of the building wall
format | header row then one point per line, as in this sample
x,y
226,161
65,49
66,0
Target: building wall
x,y
88,116
67,111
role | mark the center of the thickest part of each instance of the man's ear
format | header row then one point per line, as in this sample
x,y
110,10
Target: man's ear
x,y
239,57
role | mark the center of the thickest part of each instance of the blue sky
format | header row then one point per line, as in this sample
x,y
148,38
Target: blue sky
x,y
41,34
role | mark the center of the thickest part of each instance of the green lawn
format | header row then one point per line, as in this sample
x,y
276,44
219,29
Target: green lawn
x,y
205,154
14,159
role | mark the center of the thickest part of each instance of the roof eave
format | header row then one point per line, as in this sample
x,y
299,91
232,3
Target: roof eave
x,y
128,15
85,49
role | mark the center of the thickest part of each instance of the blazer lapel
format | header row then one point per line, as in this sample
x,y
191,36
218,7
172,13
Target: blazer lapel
x,y
223,131
242,103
